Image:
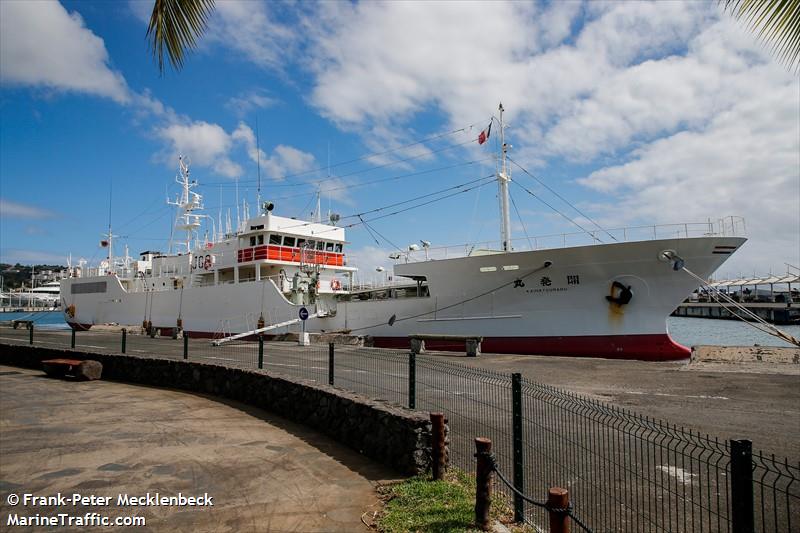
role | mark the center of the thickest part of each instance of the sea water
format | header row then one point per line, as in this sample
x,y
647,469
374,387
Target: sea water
x,y
686,331
698,331
42,319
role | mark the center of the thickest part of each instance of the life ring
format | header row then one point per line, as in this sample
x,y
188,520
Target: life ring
x,y
71,311
335,285
207,262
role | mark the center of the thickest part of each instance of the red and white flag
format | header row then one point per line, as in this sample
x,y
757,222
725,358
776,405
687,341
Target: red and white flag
x,y
484,136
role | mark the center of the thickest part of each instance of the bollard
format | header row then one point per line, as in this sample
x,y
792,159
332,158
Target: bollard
x,y
558,498
742,520
260,352
186,345
30,332
330,363
483,482
412,380
438,451
72,341
124,338
516,423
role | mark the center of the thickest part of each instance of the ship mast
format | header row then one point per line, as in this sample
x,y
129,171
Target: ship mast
x,y
187,202
503,177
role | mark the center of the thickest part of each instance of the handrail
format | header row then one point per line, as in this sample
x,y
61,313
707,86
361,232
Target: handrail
x,y
731,226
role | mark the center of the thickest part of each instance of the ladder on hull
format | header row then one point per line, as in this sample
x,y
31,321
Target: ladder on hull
x,y
258,331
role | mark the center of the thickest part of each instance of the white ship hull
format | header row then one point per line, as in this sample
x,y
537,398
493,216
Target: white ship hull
x,y
512,300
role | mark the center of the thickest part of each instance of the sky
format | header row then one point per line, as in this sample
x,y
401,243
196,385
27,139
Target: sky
x,y
620,113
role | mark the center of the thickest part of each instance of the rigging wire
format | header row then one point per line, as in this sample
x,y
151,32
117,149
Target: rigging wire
x,y
557,211
519,216
543,184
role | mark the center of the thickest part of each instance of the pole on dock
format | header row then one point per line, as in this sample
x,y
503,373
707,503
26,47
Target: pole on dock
x,y
557,503
330,363
438,446
742,520
30,332
519,477
412,380
483,482
124,338
72,341
260,352
186,345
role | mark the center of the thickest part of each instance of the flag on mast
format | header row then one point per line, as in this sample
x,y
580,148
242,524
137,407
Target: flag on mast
x,y
484,136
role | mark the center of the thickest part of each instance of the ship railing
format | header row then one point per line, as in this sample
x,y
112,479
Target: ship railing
x,y
731,226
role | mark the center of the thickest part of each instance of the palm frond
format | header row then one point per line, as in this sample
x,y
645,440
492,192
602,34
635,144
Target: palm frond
x,y
776,23
175,26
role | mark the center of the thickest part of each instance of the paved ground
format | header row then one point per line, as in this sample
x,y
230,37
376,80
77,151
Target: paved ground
x,y
103,438
712,399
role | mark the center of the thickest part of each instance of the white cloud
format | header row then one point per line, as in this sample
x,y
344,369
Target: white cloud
x,y
250,29
205,144
367,259
746,163
9,209
286,160
42,45
141,9
244,104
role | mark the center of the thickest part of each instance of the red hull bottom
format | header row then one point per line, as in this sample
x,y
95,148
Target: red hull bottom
x,y
652,347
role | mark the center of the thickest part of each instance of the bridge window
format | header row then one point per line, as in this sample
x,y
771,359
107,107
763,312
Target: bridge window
x,y
261,239
338,248
311,244
288,241
253,240
300,242
328,246
320,245
274,239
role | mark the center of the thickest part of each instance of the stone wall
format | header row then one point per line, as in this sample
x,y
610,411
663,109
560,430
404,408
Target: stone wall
x,y
396,437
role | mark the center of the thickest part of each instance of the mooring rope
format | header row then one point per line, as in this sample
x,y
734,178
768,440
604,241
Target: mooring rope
x,y
767,328
569,510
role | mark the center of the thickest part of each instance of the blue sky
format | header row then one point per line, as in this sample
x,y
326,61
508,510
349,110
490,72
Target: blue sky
x,y
637,112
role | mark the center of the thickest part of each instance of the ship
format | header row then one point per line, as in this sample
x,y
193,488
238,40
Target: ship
x,y
272,274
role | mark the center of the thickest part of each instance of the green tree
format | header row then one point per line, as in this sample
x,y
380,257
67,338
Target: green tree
x,y
775,22
175,26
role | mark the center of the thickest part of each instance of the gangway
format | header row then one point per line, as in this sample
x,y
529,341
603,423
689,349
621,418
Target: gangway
x,y
258,331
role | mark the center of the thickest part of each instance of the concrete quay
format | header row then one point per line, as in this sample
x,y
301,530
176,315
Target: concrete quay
x,y
104,439
759,401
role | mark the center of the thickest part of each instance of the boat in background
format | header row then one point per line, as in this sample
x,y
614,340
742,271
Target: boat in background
x,y
593,299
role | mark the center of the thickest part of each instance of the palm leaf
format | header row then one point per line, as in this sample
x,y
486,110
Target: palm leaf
x,y
175,26
775,22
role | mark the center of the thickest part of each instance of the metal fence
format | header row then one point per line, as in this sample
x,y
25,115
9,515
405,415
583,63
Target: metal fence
x,y
624,471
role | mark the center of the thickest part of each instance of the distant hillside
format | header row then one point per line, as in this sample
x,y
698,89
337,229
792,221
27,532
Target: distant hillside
x,y
15,275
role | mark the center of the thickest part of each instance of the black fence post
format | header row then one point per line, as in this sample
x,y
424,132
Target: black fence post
x,y
186,345
742,520
330,363
260,352
519,479
412,380
72,340
124,338
30,333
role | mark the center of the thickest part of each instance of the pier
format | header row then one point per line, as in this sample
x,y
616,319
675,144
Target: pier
x,y
776,299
